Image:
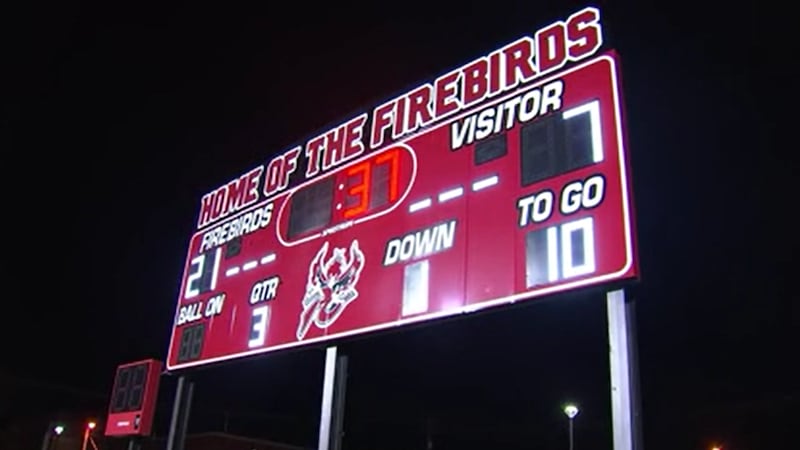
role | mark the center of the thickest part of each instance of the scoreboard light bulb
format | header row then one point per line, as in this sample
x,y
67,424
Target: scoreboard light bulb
x,y
91,425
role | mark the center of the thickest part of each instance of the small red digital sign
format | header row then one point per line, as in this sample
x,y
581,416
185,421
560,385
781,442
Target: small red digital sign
x,y
503,180
133,398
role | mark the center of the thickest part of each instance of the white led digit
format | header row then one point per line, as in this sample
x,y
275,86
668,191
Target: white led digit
x,y
585,227
552,254
416,287
258,329
217,257
194,276
593,109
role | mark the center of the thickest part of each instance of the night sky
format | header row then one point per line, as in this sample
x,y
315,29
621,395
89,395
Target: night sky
x,y
117,119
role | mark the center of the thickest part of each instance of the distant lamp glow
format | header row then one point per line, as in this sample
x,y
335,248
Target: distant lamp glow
x,y
58,429
571,411
716,447
89,427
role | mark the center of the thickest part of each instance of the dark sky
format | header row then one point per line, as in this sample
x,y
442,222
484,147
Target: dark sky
x,y
117,119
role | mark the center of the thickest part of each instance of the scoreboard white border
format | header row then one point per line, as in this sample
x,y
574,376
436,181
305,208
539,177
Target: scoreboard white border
x,y
623,165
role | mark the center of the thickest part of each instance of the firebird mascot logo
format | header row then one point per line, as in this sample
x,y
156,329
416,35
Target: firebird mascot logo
x,y
331,286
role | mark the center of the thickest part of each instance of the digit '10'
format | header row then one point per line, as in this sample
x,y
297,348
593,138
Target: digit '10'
x,y
202,277
559,252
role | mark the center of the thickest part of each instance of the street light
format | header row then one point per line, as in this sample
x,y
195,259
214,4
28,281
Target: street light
x,y
51,439
89,427
58,429
571,411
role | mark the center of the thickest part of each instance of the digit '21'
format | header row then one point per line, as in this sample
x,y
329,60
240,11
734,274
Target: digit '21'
x,y
203,276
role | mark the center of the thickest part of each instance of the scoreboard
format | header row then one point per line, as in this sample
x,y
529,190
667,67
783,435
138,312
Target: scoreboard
x,y
503,180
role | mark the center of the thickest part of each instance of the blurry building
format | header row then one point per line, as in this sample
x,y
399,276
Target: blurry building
x,y
199,441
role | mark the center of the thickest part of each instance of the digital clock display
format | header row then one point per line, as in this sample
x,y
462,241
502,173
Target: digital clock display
x,y
466,193
368,187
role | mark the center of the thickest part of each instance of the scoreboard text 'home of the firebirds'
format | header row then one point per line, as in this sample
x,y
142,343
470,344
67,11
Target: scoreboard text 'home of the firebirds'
x,y
505,179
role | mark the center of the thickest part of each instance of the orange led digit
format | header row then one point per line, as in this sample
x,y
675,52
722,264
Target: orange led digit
x,y
361,189
392,157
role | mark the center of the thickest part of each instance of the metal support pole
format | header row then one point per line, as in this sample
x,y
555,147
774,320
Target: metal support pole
x,y
135,443
331,422
180,414
339,395
85,438
176,415
47,436
636,400
571,438
625,415
327,399
185,419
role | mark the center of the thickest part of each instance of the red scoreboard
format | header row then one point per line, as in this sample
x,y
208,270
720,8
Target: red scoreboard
x,y
503,180
133,398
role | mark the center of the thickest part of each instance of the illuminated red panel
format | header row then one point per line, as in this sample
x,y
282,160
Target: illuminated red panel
x,y
519,196
133,398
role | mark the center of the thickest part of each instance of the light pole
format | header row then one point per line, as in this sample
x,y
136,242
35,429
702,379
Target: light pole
x,y
89,427
571,411
57,430
50,440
